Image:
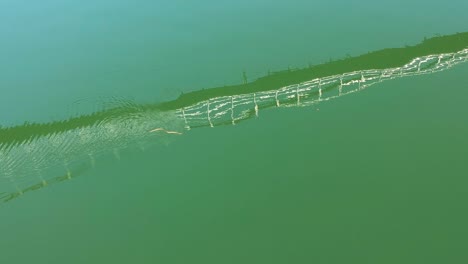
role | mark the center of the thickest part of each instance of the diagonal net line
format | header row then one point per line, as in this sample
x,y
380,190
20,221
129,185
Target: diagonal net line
x,y
233,109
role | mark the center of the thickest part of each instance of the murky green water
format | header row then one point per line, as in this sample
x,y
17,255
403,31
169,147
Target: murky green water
x,y
374,177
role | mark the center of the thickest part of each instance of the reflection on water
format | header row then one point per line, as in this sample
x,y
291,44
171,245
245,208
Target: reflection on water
x,y
32,155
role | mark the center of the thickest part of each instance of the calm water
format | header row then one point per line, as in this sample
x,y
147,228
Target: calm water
x,y
375,177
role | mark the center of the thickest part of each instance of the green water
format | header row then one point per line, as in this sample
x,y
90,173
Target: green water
x,y
374,177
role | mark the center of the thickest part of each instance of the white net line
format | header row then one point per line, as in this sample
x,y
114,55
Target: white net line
x,y
29,166
232,109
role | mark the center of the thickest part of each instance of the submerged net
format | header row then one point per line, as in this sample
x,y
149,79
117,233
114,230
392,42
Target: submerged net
x,y
44,159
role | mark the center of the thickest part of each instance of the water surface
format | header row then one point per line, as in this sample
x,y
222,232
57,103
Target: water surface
x,y
375,177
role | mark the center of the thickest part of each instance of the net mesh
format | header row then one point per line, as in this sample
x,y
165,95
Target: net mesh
x,y
233,109
27,166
